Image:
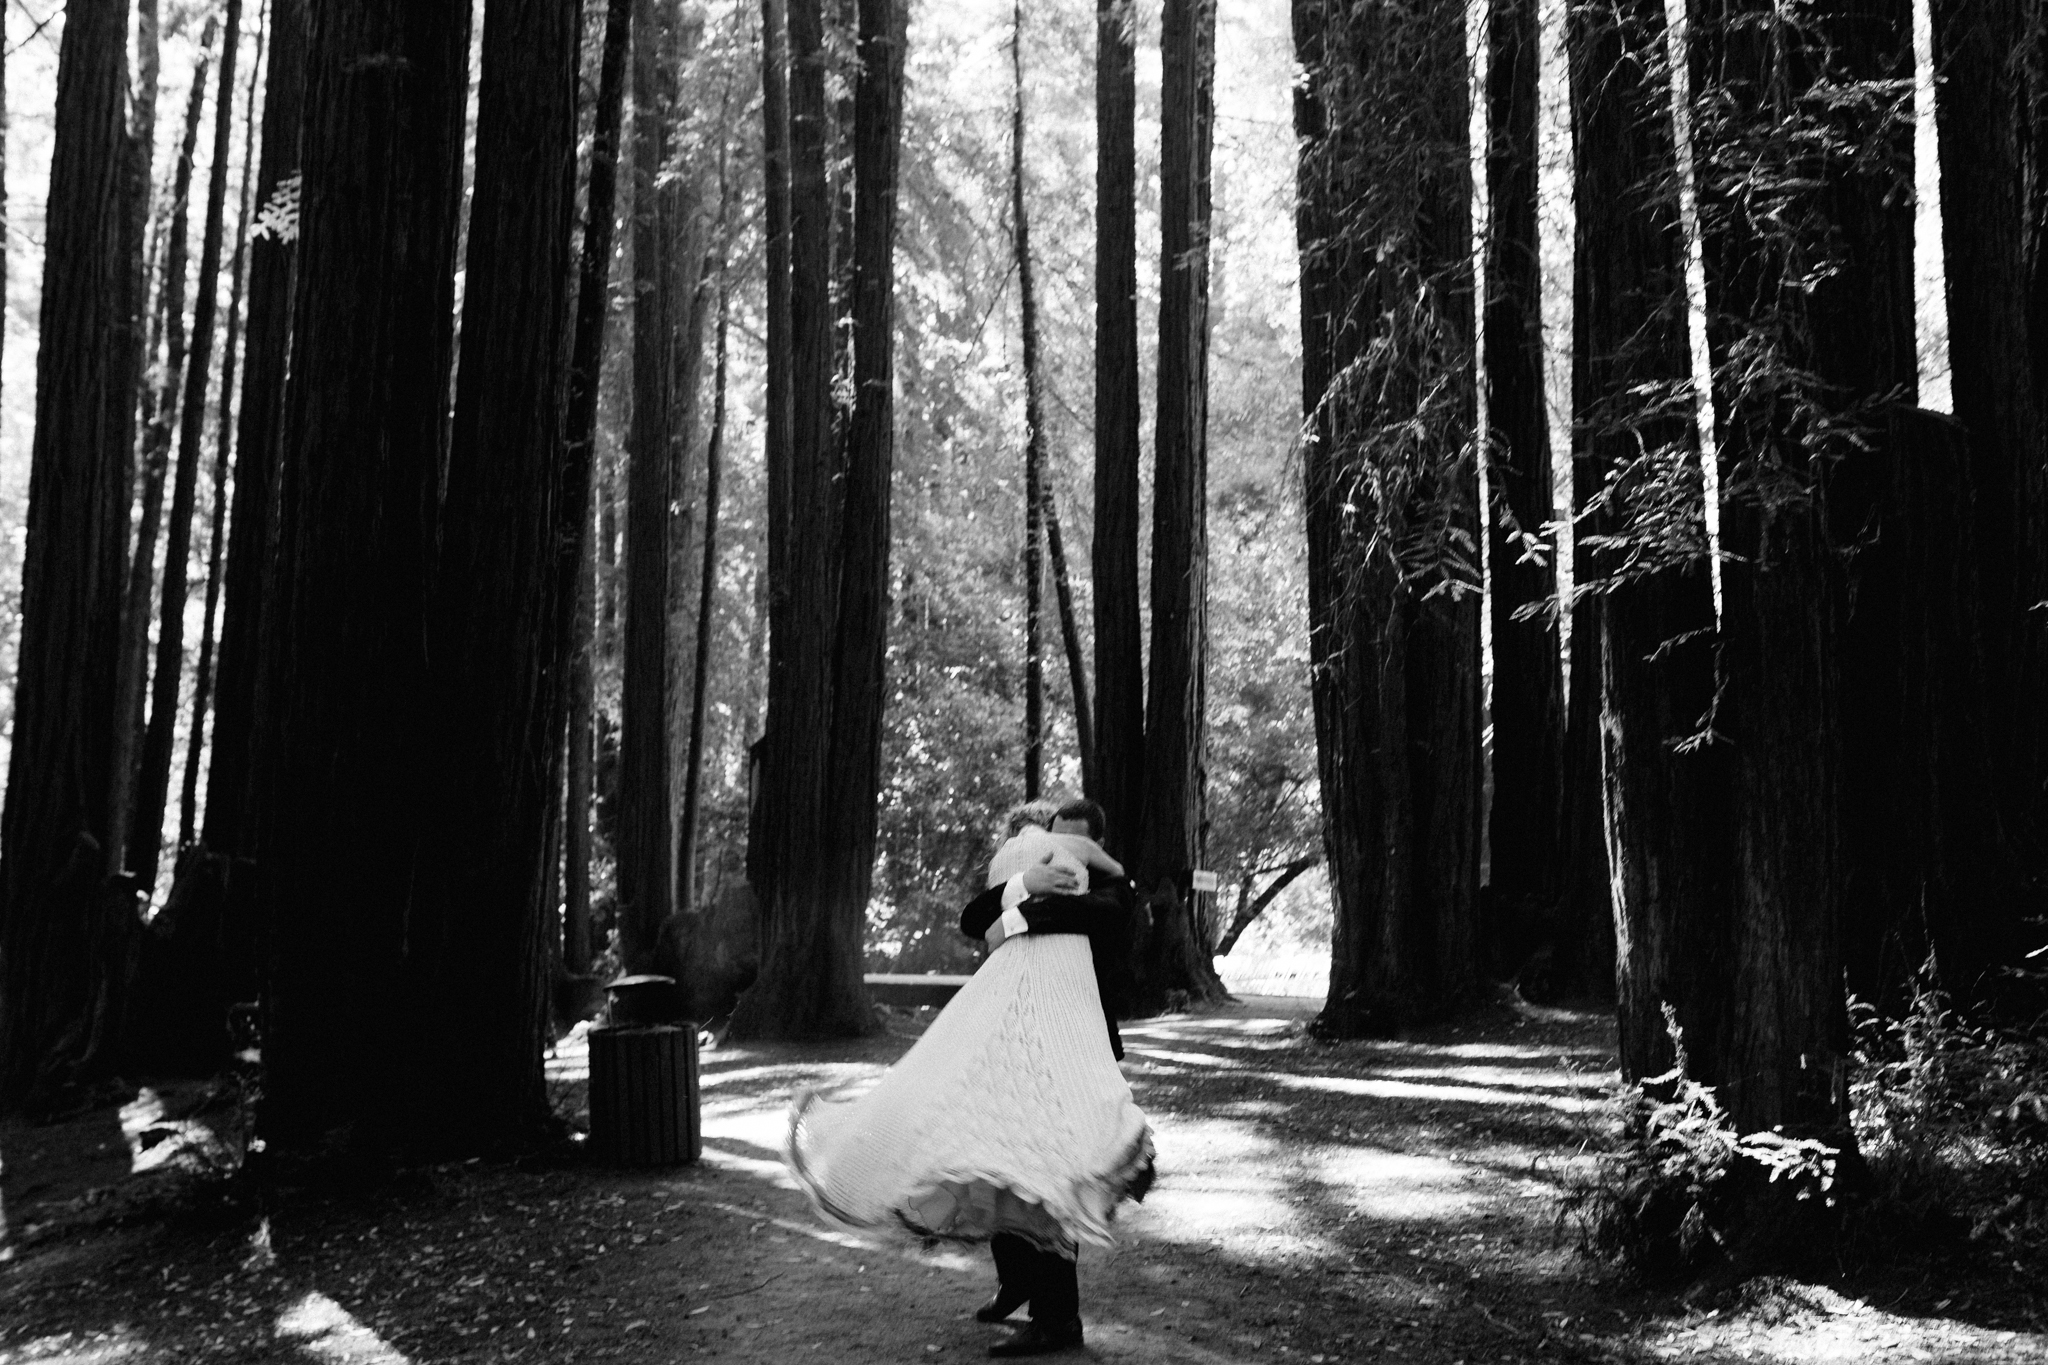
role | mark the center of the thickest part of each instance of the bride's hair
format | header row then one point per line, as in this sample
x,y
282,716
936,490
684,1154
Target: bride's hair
x,y
1038,813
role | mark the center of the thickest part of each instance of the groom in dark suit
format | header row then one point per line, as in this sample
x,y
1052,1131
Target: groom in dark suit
x,y
1045,899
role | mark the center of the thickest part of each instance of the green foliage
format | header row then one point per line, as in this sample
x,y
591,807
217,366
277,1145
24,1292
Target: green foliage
x,y
1951,1112
279,216
1786,145
1659,1198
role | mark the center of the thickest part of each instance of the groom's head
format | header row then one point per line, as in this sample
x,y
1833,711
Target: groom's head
x,y
1081,816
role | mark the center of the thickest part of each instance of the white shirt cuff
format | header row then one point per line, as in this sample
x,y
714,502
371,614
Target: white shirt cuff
x,y
1014,895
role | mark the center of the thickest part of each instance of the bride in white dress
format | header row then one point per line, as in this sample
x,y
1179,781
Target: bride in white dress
x,y
1010,1115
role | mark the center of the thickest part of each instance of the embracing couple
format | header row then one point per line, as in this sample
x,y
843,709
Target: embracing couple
x,y
1009,1121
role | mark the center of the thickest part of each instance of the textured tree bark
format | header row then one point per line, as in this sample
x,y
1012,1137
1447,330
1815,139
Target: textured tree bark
x,y
1382,227
344,823
1172,956
707,591
593,307
1783,690
801,987
140,155
1119,632
1668,834
775,230
860,645
154,783
64,928
826,690
1526,832
1998,334
1034,433
1070,636
247,583
202,693
645,844
163,403
480,961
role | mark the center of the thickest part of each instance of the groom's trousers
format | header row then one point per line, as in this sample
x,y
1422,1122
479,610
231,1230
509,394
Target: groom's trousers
x,y
1049,1279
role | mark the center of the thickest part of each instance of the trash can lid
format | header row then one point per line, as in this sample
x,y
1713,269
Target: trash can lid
x,y
640,979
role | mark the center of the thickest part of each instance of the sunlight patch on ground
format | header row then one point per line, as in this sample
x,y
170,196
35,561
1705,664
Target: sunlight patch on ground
x,y
1478,1052
1383,1089
814,1075
1806,1324
1204,1059
1221,1180
326,1331
74,1348
1398,1186
1505,1077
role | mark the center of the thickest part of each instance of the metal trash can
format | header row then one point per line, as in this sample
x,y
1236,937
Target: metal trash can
x,y
644,1103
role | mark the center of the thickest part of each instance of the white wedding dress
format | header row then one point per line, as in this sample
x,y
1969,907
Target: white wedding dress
x,y
1008,1115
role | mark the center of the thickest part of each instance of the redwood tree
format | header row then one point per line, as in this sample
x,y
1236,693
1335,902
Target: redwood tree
x,y
246,583
1997,283
1119,633
1173,955
154,784
586,360
164,392
497,628
1665,791
1839,343
344,823
646,840
1034,432
231,351
816,830
1525,825
64,926
1382,224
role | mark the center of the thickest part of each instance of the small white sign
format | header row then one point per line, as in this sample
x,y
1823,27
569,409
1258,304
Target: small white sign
x,y
1203,880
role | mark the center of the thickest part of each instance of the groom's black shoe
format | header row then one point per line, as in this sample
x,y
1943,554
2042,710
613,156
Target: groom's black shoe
x,y
1039,1338
1006,1302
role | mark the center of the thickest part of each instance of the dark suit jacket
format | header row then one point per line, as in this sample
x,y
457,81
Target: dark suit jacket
x,y
1104,915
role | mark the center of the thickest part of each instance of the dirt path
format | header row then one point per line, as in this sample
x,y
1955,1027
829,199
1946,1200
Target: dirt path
x,y
1366,1202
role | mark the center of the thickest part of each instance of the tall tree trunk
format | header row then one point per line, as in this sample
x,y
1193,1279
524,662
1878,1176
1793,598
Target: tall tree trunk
x,y
140,155
1528,871
645,844
775,228
1119,632
593,306
499,616
860,638
1070,635
343,805
65,928
247,584
202,694
1665,803
156,452
1783,690
816,827
1986,140
707,585
154,784
1034,432
1393,634
1173,955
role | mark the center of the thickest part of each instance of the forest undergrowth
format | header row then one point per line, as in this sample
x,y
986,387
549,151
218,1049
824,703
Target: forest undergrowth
x,y
1949,1162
